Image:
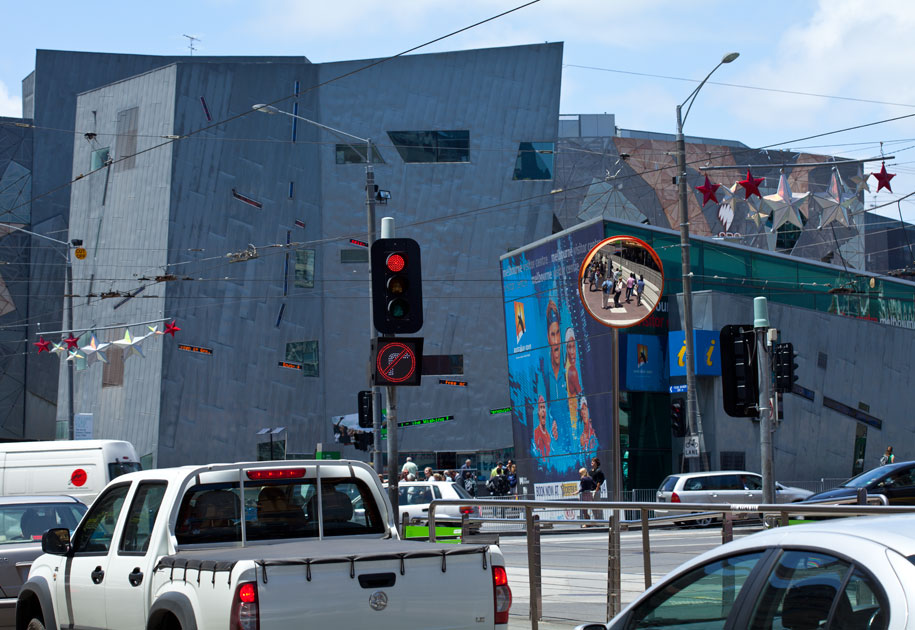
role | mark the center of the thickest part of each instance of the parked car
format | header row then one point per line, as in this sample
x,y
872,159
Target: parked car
x,y
846,573
894,481
721,486
414,498
22,522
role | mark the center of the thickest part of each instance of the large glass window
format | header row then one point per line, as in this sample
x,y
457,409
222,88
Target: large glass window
x,y
126,143
355,154
99,158
702,598
534,161
276,510
305,268
304,353
432,146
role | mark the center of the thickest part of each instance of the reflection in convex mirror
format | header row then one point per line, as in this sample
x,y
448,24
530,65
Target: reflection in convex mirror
x,y
621,281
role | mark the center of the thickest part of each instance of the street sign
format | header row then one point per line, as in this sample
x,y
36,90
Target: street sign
x,y
677,389
397,361
80,253
691,447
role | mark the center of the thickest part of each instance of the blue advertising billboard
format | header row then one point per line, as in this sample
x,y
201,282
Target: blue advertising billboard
x,y
559,360
708,356
643,358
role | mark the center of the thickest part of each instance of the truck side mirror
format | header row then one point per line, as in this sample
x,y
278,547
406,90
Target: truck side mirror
x,y
56,541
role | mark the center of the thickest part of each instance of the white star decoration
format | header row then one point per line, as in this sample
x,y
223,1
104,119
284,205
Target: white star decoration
x,y
757,212
785,206
727,208
860,182
131,345
95,350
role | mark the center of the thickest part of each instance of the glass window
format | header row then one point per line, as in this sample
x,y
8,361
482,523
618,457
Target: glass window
x,y
702,598
99,158
142,516
304,353
355,154
305,268
126,143
752,482
353,255
276,510
668,484
116,469
432,146
21,522
113,370
800,592
97,528
534,161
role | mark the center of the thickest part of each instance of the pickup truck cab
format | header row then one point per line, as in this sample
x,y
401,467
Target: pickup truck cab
x,y
255,546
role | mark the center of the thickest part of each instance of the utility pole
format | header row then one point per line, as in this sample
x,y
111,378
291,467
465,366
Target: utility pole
x,y
761,327
377,460
387,231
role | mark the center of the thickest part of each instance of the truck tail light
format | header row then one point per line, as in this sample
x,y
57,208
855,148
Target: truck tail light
x,y
276,473
245,614
502,595
466,509
674,497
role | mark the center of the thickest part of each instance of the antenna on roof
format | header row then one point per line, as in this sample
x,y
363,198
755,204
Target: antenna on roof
x,y
190,43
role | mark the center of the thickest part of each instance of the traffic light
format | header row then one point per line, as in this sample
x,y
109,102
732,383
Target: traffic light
x,y
397,287
365,410
784,366
739,371
677,419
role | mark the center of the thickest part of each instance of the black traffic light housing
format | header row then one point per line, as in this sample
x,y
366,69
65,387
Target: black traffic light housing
x,y
784,366
365,409
739,371
678,418
397,286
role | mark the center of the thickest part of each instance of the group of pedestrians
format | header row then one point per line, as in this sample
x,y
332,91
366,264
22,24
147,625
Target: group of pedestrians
x,y
615,285
503,479
589,486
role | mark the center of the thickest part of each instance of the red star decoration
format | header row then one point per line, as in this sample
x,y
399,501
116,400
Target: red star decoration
x,y
72,342
43,345
708,191
883,178
170,329
751,185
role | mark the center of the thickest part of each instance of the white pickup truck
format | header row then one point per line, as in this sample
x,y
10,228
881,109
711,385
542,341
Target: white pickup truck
x,y
256,546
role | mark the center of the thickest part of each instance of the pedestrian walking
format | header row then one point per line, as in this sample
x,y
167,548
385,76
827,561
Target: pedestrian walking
x,y
888,457
630,285
598,477
617,292
639,289
607,288
585,491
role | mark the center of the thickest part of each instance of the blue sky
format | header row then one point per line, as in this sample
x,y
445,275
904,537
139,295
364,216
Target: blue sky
x,y
839,48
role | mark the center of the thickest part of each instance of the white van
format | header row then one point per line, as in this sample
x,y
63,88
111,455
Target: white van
x,y
79,468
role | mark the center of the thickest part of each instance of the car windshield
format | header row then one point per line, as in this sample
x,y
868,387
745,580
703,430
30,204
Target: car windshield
x,y
864,478
28,521
116,469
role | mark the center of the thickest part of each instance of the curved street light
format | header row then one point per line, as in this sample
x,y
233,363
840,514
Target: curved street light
x,y
693,419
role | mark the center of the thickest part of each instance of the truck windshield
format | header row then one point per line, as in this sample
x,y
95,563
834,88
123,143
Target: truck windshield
x,y
276,510
116,469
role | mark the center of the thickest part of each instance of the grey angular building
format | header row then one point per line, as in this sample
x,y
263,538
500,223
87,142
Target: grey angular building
x,y
236,225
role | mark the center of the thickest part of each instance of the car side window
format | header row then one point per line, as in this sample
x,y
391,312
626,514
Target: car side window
x,y
702,598
752,482
437,491
97,528
696,484
142,516
900,478
802,590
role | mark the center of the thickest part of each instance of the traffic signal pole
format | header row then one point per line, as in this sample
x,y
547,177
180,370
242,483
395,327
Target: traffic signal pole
x,y
761,327
373,334
387,231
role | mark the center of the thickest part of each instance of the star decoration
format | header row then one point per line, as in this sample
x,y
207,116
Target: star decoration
x,y
72,342
727,208
708,191
130,345
74,355
860,182
58,348
835,204
154,330
883,178
784,205
757,213
751,185
95,350
171,329
43,345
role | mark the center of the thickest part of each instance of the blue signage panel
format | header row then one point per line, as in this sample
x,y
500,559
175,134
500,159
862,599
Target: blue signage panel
x,y
708,356
643,363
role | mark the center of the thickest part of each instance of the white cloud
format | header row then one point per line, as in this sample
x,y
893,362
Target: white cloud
x,y
10,104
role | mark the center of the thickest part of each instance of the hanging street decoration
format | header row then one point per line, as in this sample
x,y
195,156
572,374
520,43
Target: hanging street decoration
x,y
95,350
170,329
751,185
835,204
43,345
130,345
708,191
785,206
727,207
757,212
883,178
72,342
860,182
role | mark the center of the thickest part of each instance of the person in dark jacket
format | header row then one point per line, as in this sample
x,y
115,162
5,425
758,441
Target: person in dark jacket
x,y
585,490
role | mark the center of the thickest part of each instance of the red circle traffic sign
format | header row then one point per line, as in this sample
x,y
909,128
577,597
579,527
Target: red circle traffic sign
x,y
396,362
78,477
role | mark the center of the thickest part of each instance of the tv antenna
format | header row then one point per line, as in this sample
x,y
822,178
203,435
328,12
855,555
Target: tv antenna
x,y
190,43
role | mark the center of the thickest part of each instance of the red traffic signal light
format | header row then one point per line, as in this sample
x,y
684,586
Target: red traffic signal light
x,y
397,287
395,262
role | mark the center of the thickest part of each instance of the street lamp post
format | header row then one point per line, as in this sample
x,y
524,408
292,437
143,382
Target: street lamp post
x,y
370,238
693,419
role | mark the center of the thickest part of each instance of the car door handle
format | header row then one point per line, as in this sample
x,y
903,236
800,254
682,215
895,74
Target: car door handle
x,y
98,575
135,577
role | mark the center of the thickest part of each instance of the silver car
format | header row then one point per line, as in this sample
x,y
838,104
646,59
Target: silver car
x,y
23,520
720,486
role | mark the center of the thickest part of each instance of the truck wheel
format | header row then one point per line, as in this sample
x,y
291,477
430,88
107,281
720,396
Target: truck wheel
x,y
35,624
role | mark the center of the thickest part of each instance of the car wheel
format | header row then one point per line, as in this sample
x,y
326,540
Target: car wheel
x,y
35,624
703,522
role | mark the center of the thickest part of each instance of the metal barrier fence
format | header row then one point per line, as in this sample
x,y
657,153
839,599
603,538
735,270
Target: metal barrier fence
x,y
552,585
